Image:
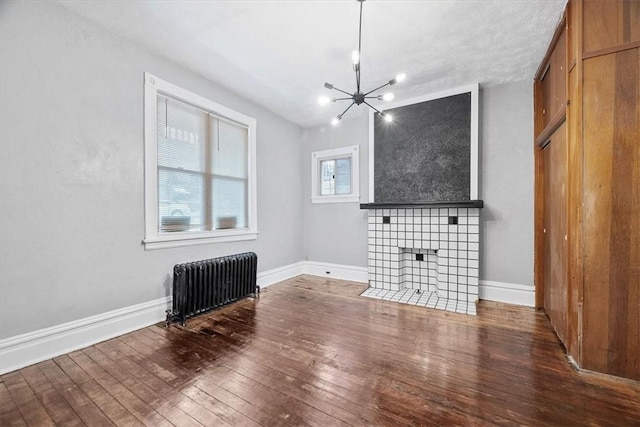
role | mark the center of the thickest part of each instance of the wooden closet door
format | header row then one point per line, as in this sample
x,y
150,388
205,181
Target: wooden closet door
x,y
555,220
611,328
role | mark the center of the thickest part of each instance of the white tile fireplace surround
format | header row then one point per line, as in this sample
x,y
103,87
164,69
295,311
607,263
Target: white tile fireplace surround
x,y
425,256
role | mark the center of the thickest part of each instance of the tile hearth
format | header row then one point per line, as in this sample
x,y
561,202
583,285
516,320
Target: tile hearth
x,y
423,299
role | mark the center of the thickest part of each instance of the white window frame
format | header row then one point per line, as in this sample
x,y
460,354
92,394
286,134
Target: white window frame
x,y
154,239
352,152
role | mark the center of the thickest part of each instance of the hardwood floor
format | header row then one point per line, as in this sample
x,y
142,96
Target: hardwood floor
x,y
310,351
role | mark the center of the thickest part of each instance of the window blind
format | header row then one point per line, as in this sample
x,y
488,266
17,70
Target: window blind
x,y
202,169
229,160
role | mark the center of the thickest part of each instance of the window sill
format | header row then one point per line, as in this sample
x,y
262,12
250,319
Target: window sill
x,y
336,199
177,239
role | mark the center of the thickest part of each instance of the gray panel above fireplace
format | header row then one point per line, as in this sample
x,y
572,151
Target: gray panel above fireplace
x,y
425,154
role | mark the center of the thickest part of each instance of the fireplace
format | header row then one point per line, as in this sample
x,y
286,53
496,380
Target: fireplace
x,y
424,219
425,254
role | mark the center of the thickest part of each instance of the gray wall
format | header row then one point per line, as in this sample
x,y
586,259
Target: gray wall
x,y
71,187
506,167
338,233
71,179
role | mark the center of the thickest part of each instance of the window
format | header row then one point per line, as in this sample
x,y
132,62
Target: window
x,y
199,169
335,175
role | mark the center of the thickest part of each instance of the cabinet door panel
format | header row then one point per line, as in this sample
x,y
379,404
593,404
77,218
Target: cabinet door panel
x,y
611,330
554,81
609,23
555,220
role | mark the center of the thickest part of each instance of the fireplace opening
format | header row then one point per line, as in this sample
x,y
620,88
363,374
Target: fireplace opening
x,y
419,269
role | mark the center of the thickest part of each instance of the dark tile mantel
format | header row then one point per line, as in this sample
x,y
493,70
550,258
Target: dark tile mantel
x,y
418,205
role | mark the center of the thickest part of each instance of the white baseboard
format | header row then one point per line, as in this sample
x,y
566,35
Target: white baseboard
x,y
337,271
511,293
33,347
268,278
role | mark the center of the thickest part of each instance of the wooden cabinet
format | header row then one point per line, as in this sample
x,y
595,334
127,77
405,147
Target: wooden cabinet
x,y
587,266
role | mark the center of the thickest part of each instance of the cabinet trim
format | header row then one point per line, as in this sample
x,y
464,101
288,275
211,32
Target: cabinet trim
x,y
547,57
555,122
612,49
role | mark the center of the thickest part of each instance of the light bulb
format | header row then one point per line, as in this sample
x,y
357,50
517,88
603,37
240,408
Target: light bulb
x,y
355,57
400,77
388,96
388,117
335,120
324,100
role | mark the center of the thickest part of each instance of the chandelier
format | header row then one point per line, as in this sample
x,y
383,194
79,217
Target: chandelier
x,y
359,96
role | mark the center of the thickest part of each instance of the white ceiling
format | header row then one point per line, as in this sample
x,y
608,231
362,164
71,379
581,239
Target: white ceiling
x,y
280,53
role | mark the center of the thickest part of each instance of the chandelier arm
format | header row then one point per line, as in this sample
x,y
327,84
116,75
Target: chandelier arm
x,y
374,108
343,91
379,87
347,109
343,99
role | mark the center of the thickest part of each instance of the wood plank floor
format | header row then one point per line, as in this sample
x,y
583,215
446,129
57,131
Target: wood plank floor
x,y
310,351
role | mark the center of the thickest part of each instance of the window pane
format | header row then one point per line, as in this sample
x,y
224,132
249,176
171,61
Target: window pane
x,y
229,148
181,135
229,203
327,177
343,176
180,205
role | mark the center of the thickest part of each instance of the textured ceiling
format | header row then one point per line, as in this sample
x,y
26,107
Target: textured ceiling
x,y
280,53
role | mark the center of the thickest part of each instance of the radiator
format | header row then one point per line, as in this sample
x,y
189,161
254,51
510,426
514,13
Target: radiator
x,y
201,286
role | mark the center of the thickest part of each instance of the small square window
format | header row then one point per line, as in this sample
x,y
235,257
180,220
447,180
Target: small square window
x,y
335,175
